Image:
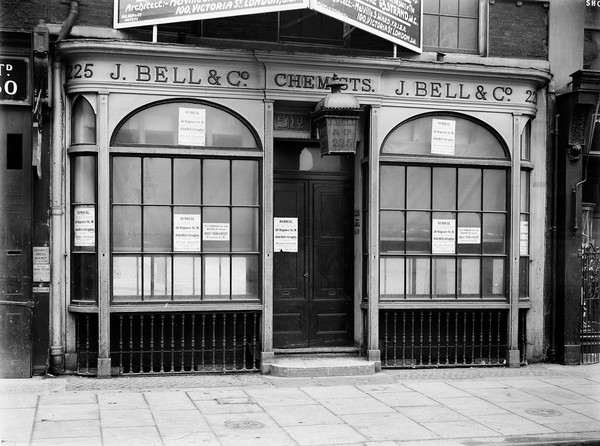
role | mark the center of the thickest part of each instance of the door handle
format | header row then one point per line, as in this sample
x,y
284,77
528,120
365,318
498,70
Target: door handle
x,y
305,274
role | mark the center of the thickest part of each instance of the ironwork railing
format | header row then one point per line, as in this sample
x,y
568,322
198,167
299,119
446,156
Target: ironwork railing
x,y
447,338
170,343
590,325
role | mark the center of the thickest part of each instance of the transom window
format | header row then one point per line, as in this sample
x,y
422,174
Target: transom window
x,y
443,220
185,124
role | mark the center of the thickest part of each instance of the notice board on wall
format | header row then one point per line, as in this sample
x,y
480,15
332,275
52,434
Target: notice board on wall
x,y
398,21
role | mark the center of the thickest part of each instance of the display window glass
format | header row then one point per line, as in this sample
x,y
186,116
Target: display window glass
x,y
184,224
443,226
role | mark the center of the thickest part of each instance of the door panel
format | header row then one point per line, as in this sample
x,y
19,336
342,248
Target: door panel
x,y
331,304
15,242
312,301
290,320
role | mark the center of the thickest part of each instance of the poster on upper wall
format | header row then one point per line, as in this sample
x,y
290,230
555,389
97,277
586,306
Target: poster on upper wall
x,y
131,13
398,21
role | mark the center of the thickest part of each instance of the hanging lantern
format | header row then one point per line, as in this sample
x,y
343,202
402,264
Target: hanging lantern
x,y
336,117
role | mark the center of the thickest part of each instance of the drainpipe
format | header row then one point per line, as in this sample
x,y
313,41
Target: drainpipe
x,y
57,294
70,21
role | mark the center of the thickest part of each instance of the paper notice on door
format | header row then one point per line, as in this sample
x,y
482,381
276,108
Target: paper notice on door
x,y
186,232
443,236
84,226
192,127
285,234
443,136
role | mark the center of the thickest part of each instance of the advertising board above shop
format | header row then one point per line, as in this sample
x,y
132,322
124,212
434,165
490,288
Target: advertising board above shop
x,y
398,21
132,13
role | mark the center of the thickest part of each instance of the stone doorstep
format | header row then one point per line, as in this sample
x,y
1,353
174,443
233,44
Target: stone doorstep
x,y
319,365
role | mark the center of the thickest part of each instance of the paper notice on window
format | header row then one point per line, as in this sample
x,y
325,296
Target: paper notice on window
x,y
84,226
285,234
192,127
443,136
524,239
215,232
469,235
443,236
186,232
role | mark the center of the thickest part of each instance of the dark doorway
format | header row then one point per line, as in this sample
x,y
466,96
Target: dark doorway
x,y
313,286
15,243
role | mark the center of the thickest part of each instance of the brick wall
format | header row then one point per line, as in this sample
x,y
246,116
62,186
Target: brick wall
x,y
518,31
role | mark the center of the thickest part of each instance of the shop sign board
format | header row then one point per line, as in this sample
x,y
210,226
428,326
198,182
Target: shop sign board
x,y
131,13
396,20
193,74
14,80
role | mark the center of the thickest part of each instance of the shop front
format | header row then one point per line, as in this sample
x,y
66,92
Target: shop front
x,y
205,230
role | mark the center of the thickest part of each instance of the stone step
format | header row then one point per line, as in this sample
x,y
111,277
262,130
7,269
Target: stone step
x,y
320,364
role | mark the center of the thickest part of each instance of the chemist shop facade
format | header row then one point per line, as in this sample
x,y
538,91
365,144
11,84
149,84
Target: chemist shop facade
x,y
205,231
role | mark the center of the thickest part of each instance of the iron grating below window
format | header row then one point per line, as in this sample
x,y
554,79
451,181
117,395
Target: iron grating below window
x,y
590,316
447,338
171,343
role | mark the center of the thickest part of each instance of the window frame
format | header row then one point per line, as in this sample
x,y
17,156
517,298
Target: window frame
x,y
482,32
201,153
456,163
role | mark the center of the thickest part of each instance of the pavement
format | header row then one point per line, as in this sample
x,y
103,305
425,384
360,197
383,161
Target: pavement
x,y
540,404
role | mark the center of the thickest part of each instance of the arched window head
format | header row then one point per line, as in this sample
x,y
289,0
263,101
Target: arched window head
x,y
83,122
191,124
444,135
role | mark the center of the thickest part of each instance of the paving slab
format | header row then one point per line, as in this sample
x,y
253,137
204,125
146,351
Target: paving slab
x,y
303,415
349,406
168,400
331,434
389,426
67,412
81,429
131,436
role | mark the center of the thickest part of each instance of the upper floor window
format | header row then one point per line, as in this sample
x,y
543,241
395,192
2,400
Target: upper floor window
x,y
591,48
451,25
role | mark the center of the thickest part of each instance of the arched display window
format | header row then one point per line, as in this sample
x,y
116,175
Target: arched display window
x,y
184,227
184,215
444,201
